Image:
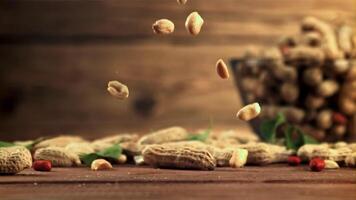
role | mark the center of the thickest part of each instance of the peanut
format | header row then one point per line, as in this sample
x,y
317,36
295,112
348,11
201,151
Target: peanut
x,y
139,160
59,156
79,148
103,143
171,134
170,156
324,119
289,92
331,46
330,164
222,70
249,112
238,158
263,154
312,39
194,23
350,160
60,141
313,76
305,55
100,164
122,159
118,90
14,159
305,152
345,39
327,88
182,2
314,102
337,155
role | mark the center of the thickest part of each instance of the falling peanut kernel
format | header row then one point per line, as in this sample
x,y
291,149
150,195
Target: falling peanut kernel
x,y
222,70
182,2
118,90
249,112
163,27
194,23
100,164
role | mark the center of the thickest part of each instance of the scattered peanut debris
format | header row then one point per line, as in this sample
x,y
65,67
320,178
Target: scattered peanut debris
x,y
249,112
100,164
163,27
222,70
194,23
118,90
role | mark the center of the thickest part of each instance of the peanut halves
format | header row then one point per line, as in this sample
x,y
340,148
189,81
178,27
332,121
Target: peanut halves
x,y
173,156
222,70
118,90
194,23
249,112
163,27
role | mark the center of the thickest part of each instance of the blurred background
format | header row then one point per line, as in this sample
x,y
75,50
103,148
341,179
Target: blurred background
x,y
56,58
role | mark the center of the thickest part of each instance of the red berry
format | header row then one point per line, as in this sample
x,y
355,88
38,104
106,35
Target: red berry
x,y
42,165
339,118
317,164
294,160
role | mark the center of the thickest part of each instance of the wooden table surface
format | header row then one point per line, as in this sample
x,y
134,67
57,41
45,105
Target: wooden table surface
x,y
131,182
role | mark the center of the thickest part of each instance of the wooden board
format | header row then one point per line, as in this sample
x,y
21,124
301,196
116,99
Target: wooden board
x,y
57,56
127,182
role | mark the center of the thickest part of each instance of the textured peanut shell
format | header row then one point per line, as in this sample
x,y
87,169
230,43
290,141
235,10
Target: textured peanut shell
x,y
59,156
263,154
60,141
337,155
172,134
168,156
103,143
14,159
80,148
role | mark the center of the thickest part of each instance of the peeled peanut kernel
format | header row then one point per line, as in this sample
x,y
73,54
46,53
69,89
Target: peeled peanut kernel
x,y
118,90
182,2
194,23
163,27
327,88
122,159
100,164
249,112
330,164
222,70
238,158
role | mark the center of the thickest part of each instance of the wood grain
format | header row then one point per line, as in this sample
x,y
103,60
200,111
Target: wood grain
x,y
57,56
128,182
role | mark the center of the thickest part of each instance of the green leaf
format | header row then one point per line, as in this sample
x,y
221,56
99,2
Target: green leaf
x,y
111,154
300,139
290,141
32,144
269,128
307,139
200,136
6,144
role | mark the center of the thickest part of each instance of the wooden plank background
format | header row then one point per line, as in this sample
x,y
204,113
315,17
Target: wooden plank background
x,y
57,56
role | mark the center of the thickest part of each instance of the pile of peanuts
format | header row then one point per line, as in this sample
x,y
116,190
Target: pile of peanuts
x,y
310,77
171,147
